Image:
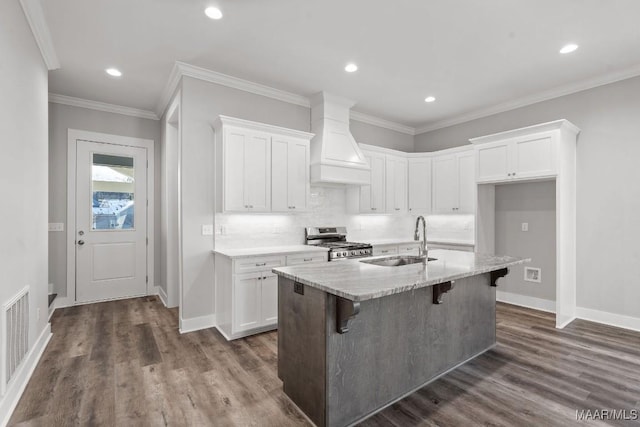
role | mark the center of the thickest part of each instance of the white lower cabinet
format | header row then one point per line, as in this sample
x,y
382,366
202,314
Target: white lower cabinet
x,y
412,248
255,301
247,291
409,248
246,302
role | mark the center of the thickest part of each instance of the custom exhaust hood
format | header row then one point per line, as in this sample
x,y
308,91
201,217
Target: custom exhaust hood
x,y
335,155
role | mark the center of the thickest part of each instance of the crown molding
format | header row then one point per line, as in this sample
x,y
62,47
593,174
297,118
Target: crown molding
x,y
527,130
182,69
533,99
241,84
264,127
169,89
40,29
387,124
101,106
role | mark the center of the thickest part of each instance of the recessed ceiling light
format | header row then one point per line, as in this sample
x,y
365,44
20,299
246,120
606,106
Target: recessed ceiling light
x,y
350,68
429,99
571,47
213,12
114,72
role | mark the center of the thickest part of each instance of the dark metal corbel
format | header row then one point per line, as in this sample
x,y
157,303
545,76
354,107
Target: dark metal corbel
x,y
345,311
441,289
495,275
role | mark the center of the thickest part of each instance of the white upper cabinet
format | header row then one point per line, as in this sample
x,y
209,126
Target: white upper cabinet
x,y
257,172
454,182
247,164
371,197
290,174
466,182
419,183
523,157
396,184
259,165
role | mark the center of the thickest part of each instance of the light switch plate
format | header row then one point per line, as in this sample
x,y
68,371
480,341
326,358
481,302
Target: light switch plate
x,y
207,230
525,226
56,226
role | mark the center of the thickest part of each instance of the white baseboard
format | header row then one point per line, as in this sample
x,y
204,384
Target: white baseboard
x,y
162,295
562,321
197,323
612,319
62,302
526,301
21,379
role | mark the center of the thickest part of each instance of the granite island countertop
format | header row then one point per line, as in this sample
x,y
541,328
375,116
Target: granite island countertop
x,y
359,281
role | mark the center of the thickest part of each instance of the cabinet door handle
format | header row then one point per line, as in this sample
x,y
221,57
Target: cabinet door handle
x,y
308,259
384,252
397,209
260,264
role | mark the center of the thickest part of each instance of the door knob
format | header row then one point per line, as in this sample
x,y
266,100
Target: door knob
x,y
81,242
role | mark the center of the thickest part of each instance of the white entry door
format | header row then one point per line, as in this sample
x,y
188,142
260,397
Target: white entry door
x,y
111,221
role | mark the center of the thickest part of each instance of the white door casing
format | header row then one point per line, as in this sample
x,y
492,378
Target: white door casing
x,y
106,141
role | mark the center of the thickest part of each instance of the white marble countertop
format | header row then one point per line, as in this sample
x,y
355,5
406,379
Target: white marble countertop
x,y
403,241
359,281
269,250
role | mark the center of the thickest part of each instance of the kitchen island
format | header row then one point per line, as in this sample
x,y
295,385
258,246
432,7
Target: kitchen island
x,y
354,337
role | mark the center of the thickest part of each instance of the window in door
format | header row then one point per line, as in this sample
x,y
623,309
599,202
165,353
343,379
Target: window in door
x,y
112,188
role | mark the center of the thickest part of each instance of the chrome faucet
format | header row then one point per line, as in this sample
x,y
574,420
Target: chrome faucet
x,y
416,237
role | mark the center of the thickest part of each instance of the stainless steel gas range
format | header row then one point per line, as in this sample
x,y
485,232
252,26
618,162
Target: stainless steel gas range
x,y
335,238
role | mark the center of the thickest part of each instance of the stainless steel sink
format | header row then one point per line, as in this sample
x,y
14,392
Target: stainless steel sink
x,y
398,260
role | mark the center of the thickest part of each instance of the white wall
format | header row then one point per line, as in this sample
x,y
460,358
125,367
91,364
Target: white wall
x,y
535,204
62,118
202,103
23,170
608,195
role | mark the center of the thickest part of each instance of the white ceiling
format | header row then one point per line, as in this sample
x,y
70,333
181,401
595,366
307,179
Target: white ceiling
x,y
469,54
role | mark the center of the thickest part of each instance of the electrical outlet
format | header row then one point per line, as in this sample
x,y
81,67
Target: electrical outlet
x,y
525,226
56,226
207,230
533,274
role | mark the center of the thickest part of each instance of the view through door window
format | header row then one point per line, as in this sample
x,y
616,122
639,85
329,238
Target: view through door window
x,y
112,188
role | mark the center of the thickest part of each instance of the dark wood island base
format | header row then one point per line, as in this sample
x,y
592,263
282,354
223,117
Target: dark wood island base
x,y
341,361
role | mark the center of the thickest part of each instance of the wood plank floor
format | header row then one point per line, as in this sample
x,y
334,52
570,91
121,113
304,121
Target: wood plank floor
x,y
124,363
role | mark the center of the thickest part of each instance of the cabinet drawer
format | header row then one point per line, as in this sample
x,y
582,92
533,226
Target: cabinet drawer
x,y
409,248
248,265
310,258
385,250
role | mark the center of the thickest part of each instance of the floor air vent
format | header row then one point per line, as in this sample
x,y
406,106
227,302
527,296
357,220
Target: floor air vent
x,y
15,335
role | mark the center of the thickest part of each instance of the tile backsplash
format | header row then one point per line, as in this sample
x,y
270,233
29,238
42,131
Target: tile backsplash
x,y
328,208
